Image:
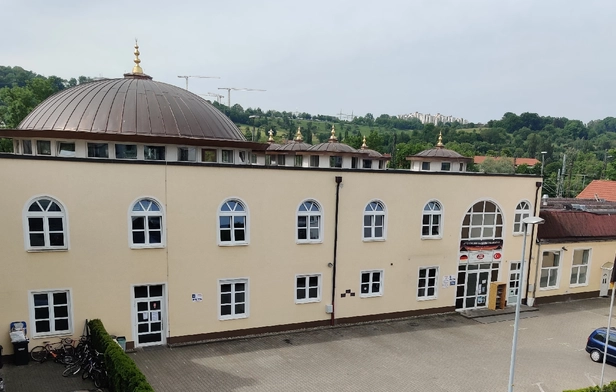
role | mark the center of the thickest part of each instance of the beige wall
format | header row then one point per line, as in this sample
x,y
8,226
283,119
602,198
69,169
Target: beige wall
x,y
100,268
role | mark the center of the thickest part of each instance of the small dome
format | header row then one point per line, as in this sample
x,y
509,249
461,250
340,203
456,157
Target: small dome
x,y
332,147
371,153
439,152
294,146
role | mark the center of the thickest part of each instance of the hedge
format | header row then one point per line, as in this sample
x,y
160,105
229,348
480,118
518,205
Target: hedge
x,y
611,387
123,373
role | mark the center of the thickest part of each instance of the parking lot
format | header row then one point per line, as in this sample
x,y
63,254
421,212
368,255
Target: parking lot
x,y
436,353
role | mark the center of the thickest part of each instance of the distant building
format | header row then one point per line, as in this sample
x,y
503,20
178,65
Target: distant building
x,y
599,189
479,159
433,119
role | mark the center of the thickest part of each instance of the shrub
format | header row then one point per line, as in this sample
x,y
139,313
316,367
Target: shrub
x,y
611,387
124,375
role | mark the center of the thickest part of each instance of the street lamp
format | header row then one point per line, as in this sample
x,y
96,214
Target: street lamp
x,y
253,125
542,161
531,220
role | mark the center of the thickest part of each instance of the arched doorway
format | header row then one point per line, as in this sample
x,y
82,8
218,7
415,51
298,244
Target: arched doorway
x,y
481,243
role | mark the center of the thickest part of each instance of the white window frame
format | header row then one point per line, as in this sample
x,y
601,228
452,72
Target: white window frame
x,y
308,215
522,210
426,296
575,268
370,292
232,214
431,213
45,215
145,215
473,227
67,153
372,227
551,270
32,327
307,299
233,282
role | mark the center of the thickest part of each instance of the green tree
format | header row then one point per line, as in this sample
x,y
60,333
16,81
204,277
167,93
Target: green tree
x,y
500,165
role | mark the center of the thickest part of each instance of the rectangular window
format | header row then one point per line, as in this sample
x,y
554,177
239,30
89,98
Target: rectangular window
x,y
445,166
550,265
281,160
126,151
461,167
425,165
208,155
187,154
270,160
367,164
253,158
233,299
314,161
579,269
98,150
66,149
43,147
242,156
154,153
16,147
227,156
335,161
381,165
51,312
27,147
427,283
371,283
307,288
354,162
299,160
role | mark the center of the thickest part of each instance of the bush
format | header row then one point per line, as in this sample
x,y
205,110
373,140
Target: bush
x,y
124,375
611,387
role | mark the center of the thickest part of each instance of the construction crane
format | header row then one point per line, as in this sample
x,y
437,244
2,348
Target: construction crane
x,y
202,77
236,89
218,96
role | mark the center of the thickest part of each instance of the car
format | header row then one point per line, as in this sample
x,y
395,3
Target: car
x,y
595,345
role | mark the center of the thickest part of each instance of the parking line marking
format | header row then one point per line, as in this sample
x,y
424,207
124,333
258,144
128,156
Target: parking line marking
x,y
590,379
539,385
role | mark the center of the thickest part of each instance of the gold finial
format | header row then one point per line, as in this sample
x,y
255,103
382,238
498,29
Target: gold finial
x,y
440,140
137,69
363,145
298,135
271,136
333,137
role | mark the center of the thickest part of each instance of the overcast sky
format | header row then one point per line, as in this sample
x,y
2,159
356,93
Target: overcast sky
x,y
475,59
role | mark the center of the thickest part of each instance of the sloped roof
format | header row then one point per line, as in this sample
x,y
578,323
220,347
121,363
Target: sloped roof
x,y
563,226
603,189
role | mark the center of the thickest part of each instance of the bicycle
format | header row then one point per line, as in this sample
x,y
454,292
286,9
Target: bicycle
x,y
61,352
95,369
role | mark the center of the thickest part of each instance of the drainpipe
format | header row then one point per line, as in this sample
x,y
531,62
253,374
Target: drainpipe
x,y
530,251
338,182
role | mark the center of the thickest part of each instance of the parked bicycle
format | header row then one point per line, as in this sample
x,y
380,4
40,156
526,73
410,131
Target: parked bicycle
x,y
61,352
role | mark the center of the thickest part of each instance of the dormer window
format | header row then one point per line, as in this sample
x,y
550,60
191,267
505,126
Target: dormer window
x,y
208,155
335,161
445,166
367,164
154,153
227,156
314,161
126,151
43,147
66,149
187,154
425,165
27,147
98,150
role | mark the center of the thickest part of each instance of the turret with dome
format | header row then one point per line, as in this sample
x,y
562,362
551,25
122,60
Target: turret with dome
x,y
439,159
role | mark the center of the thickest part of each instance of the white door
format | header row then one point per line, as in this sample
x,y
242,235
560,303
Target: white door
x,y
605,282
148,310
514,283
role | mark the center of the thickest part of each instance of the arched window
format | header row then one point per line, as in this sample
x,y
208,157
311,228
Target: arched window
x,y
521,211
484,221
309,222
146,224
233,223
431,220
374,221
45,225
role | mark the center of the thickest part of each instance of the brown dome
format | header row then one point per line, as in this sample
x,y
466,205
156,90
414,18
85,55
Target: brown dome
x,y
439,152
134,105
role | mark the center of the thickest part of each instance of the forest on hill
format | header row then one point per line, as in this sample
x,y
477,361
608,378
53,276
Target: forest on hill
x,y
589,149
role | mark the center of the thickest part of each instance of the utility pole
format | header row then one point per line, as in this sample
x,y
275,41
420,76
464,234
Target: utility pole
x,y
236,89
605,158
542,161
561,177
202,77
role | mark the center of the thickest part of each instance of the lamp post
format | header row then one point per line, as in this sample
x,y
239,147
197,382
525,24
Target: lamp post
x,y
531,220
253,125
542,161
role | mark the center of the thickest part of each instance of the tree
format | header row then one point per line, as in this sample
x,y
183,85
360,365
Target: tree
x,y
500,165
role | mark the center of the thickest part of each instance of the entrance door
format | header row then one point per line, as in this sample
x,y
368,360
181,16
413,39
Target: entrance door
x,y
514,283
149,315
605,282
473,282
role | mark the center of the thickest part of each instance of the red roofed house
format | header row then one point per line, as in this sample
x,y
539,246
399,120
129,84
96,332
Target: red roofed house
x,y
516,161
599,189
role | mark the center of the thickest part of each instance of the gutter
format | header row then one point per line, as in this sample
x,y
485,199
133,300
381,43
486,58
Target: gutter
x,y
333,318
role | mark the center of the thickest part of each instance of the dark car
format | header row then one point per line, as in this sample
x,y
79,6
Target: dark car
x,y
596,345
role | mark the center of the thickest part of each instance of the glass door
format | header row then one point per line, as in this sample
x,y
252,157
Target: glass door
x,y
514,283
148,310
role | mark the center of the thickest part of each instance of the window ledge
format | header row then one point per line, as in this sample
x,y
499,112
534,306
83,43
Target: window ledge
x,y
573,286
370,295
433,237
548,288
426,298
303,242
374,239
52,335
310,301
233,244
225,318
42,250
147,247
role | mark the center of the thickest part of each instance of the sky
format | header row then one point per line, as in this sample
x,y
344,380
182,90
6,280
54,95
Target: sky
x,y
475,59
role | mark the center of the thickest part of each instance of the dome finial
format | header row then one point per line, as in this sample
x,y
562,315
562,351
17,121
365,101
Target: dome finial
x,y
333,138
363,144
271,136
137,68
298,135
440,140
